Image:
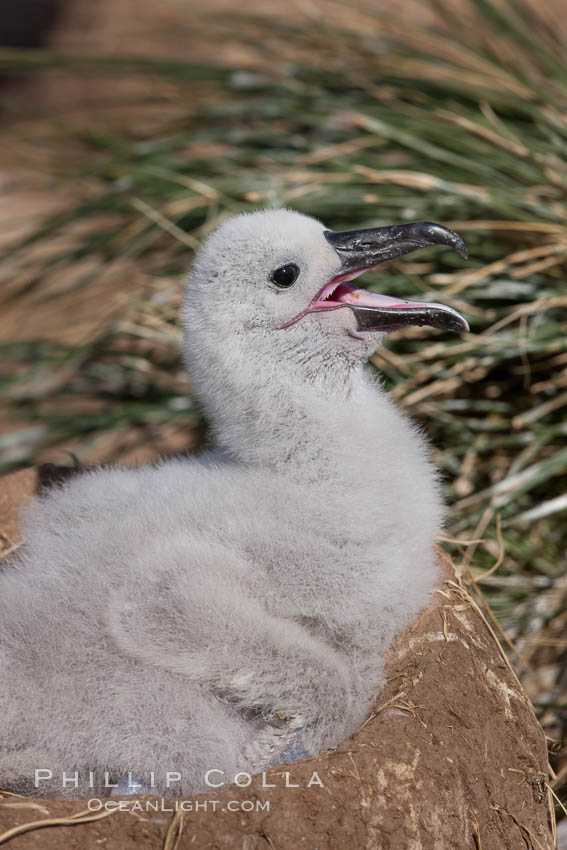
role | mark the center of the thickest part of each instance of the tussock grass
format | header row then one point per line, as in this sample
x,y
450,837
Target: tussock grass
x,y
359,119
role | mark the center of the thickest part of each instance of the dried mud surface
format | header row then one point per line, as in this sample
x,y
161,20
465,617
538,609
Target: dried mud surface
x,y
451,757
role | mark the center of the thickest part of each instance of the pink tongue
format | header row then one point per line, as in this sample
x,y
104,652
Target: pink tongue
x,y
347,294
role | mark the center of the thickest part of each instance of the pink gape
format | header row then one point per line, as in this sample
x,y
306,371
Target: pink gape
x,y
339,293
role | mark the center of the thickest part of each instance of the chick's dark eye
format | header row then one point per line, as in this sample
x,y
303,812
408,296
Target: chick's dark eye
x,y
285,276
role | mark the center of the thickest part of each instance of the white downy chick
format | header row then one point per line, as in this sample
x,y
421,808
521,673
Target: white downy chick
x,y
233,610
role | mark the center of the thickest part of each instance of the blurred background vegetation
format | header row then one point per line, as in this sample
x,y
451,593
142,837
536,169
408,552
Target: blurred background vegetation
x,y
138,127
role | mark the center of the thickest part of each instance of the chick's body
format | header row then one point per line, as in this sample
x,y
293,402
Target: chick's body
x,y
220,612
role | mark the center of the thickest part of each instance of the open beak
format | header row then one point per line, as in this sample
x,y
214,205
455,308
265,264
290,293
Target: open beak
x,y
361,250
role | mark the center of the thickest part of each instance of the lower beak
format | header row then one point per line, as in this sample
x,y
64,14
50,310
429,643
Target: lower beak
x,y
361,250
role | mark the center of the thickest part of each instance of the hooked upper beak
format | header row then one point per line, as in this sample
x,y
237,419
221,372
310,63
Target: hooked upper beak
x,y
361,250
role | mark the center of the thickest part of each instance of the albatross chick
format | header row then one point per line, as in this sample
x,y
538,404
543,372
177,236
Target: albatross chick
x,y
232,611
